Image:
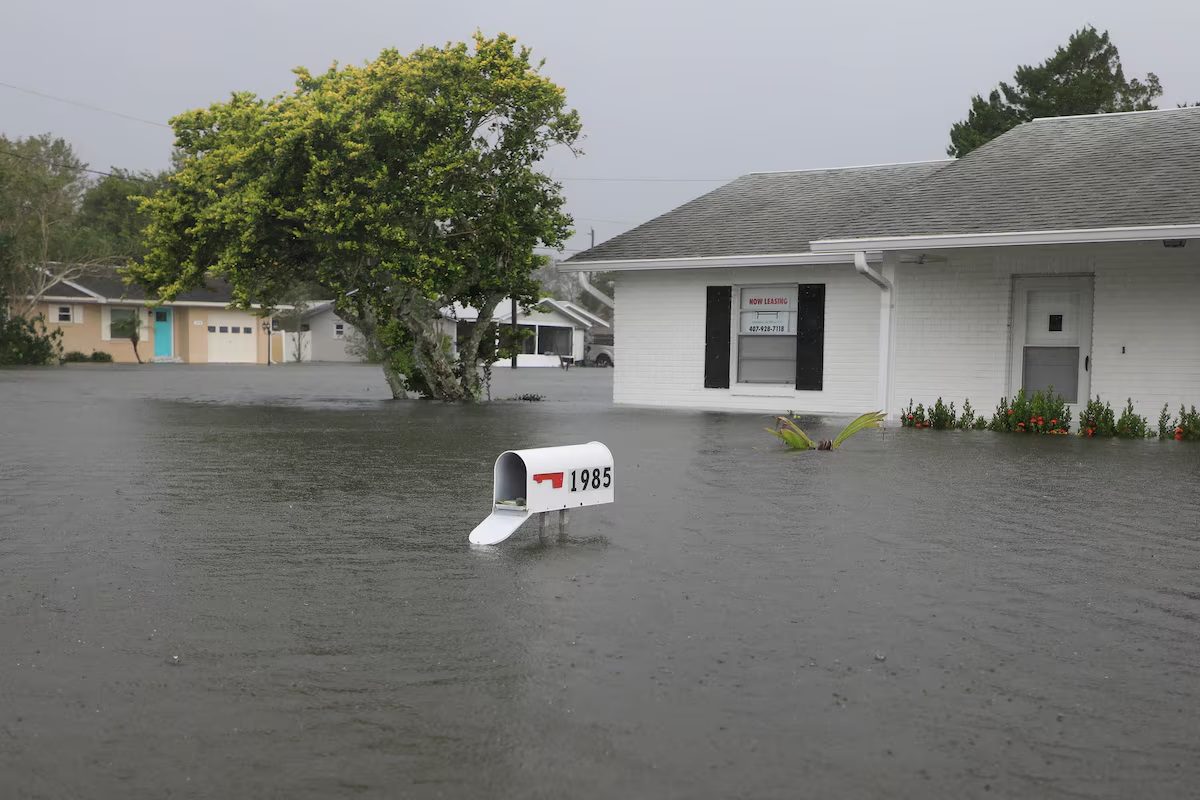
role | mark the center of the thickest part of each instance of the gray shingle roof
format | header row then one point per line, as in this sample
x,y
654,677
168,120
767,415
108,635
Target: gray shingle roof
x,y
105,282
761,213
64,290
1059,173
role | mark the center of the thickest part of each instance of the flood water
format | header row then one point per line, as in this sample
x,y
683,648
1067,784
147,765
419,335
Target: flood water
x,y
224,582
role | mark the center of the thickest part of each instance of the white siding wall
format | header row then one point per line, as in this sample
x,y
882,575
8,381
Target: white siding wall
x,y
659,324
324,346
953,322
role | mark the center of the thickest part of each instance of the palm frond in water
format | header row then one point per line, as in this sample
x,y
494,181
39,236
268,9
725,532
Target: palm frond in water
x,y
872,419
790,433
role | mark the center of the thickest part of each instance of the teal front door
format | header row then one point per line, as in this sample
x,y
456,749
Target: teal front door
x,y
164,334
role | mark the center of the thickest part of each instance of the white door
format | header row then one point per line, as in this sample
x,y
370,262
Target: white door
x,y
1052,337
231,338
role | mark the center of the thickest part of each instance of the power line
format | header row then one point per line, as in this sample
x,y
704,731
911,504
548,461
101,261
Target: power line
x,y
60,165
88,106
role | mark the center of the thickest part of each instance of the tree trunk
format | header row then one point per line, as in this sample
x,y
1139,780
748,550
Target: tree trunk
x,y
364,322
468,352
395,380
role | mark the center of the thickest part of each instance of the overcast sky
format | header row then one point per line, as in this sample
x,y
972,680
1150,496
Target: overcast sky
x,y
670,90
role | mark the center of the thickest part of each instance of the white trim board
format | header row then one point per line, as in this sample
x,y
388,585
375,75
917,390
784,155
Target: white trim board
x,y
719,262
944,241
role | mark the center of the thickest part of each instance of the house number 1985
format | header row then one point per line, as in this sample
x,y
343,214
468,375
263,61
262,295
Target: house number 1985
x,y
596,478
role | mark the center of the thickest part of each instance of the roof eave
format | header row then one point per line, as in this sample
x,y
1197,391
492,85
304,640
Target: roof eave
x,y
949,241
813,259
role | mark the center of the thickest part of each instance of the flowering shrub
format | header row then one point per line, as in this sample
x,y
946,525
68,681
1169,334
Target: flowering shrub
x,y
914,417
1184,427
1097,419
1044,412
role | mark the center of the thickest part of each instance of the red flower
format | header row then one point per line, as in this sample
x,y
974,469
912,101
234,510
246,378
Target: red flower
x,y
1010,411
1179,437
1179,430
1053,422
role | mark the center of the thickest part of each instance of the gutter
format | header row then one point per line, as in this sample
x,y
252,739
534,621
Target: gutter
x,y
862,268
1009,239
594,292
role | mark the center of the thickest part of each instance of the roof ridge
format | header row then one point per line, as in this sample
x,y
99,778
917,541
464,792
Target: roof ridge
x,y
1114,114
854,166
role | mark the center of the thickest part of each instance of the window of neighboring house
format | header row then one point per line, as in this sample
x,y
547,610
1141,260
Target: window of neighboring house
x,y
339,330
766,346
554,340
529,340
119,316
64,314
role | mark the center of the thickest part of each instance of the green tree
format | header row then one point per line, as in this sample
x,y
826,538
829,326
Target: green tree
x,y
111,211
42,185
398,187
1084,77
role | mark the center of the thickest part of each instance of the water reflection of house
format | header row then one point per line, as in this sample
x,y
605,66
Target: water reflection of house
x,y
554,329
197,327
1056,255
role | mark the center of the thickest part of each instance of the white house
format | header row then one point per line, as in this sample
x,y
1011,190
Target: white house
x,y
556,329
1059,254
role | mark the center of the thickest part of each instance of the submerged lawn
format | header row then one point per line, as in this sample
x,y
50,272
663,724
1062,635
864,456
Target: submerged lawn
x,y
251,581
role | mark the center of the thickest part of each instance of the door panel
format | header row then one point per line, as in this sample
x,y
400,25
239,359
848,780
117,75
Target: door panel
x,y
1052,337
164,333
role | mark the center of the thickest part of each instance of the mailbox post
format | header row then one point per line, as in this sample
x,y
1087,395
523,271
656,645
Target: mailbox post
x,y
545,479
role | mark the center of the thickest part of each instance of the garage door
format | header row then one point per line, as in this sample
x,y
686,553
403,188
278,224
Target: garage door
x,y
231,339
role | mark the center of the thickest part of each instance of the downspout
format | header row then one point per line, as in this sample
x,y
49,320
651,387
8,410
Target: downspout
x,y
887,302
594,292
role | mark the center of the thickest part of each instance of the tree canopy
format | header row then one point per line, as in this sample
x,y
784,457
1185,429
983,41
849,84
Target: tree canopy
x,y
398,187
1083,77
43,186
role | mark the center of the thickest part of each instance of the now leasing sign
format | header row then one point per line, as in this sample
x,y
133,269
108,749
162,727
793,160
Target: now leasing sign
x,y
768,310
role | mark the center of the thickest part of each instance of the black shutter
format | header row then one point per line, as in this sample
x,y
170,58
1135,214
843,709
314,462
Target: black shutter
x,y
716,337
810,337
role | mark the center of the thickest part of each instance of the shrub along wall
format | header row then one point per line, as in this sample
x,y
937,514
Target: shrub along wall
x,y
1047,413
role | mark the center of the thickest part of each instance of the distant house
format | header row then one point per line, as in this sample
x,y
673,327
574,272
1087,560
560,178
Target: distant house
x,y
318,334
197,327
1065,254
555,328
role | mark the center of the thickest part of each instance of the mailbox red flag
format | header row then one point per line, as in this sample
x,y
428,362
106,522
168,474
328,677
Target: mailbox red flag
x,y
555,478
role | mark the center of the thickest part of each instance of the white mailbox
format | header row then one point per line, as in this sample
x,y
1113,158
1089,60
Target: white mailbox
x,y
528,482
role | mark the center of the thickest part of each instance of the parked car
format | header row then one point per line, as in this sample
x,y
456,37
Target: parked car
x,y
599,351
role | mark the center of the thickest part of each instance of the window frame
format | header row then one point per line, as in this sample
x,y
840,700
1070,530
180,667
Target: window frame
x,y
339,330
70,309
736,387
107,321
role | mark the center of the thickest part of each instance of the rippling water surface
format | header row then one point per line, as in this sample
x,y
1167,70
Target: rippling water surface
x,y
221,582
